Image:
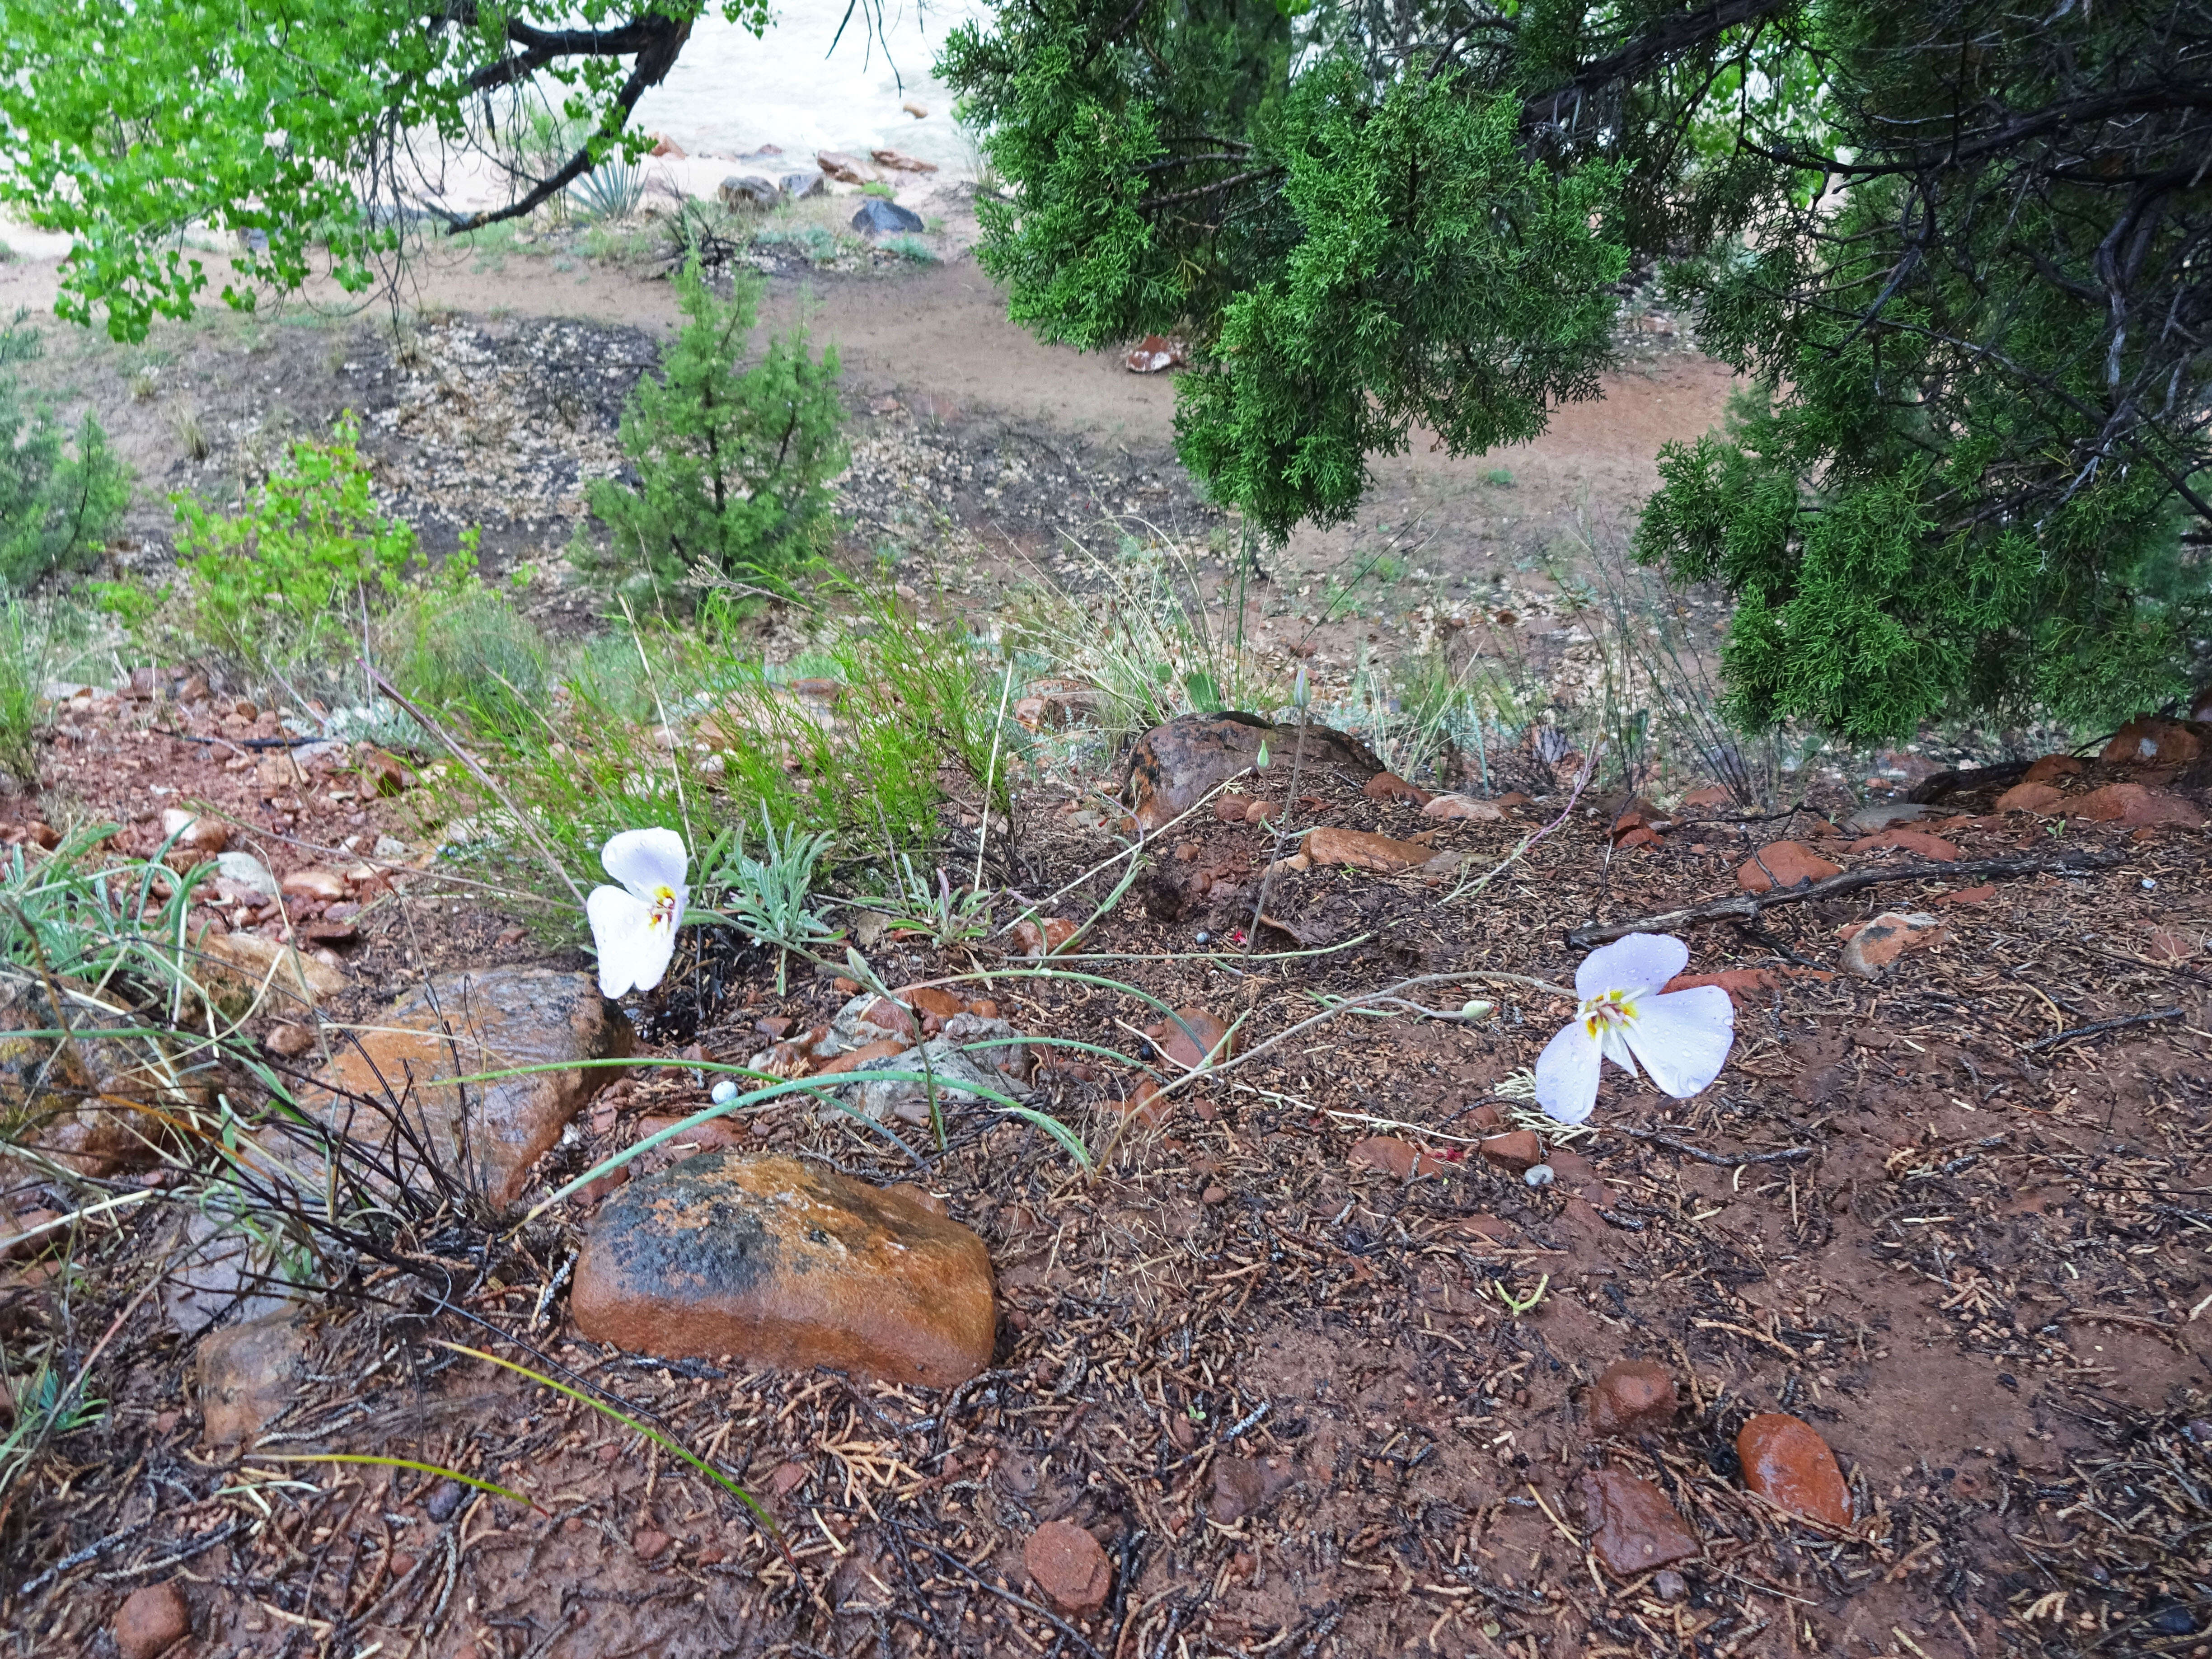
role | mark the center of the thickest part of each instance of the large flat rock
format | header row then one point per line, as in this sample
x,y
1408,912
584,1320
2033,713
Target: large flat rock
x,y
781,1262
1175,766
461,1025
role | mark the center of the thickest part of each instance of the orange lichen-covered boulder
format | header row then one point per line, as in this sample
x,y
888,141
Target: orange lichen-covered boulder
x,y
780,1262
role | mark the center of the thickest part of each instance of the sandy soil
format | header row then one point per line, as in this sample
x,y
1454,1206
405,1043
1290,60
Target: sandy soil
x,y
935,339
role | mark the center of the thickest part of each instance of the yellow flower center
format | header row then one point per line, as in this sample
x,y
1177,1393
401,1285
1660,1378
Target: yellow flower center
x,y
664,906
1612,1009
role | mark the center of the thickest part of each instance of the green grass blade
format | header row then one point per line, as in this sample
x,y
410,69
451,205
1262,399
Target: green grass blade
x,y
491,1486
628,1422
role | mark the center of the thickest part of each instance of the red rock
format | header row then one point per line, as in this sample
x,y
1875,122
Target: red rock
x,y
888,1017
1043,939
1870,947
1706,799
2135,804
781,1262
1389,786
1231,808
846,169
1362,849
1263,812
1188,1043
384,773
2038,798
1145,1104
1786,1462
649,1544
1787,862
1175,766
1633,1396
1638,834
289,1040
716,1131
1456,809
314,884
193,832
18,1237
1485,1227
933,1000
2166,946
1738,983
2051,768
1980,895
866,1055
1152,353
462,1024
2147,738
1068,1568
1518,1152
1399,1159
921,1195
1918,842
1244,1486
151,1621
1633,1528
247,1374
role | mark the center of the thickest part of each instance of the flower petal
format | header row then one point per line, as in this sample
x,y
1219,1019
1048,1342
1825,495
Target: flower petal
x,y
634,952
1683,1037
1613,1045
1566,1074
1637,962
643,860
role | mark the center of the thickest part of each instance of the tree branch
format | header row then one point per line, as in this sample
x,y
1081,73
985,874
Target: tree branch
x,y
1746,906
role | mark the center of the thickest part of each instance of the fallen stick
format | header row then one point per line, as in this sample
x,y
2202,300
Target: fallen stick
x,y
1786,1155
1747,907
2092,1028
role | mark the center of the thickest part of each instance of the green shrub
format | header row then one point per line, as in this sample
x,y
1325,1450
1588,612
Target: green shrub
x,y
288,577
24,659
462,646
733,464
60,499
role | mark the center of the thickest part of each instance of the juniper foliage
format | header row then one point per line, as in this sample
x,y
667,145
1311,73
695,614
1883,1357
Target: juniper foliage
x,y
1958,249
733,463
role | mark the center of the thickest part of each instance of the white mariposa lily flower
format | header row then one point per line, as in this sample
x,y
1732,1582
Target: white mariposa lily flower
x,y
633,925
1681,1036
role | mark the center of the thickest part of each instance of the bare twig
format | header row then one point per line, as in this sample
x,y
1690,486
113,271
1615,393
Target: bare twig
x,y
2101,1025
1722,1160
1746,906
476,771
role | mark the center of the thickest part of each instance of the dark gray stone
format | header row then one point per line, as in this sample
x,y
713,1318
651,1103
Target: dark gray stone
x,y
749,192
800,186
877,217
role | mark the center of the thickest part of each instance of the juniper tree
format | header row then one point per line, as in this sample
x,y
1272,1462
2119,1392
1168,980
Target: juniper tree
x,y
1958,249
731,463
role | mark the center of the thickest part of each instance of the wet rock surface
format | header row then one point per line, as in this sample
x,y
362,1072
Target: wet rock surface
x,y
151,1621
1633,1396
1786,1462
1633,1528
1784,863
1175,766
784,1263
466,1025
1068,1568
247,1375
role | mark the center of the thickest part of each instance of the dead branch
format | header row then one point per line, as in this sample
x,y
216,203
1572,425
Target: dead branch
x,y
1747,907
